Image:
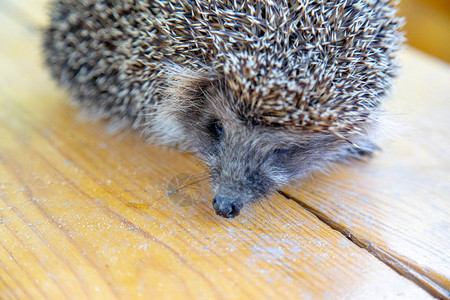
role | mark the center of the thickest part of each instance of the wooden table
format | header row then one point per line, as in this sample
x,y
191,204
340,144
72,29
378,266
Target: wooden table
x,y
88,215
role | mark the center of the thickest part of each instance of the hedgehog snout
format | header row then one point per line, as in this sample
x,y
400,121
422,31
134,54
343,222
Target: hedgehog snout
x,y
237,180
226,207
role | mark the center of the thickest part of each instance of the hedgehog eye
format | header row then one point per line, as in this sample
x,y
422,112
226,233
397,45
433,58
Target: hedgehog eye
x,y
280,151
285,151
215,129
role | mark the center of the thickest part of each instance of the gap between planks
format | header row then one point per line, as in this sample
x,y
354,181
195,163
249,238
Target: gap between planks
x,y
397,265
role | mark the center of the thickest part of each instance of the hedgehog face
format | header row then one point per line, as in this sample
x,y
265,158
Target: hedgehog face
x,y
250,162
247,161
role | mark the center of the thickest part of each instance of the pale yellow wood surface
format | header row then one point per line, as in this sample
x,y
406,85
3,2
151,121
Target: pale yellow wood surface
x,y
86,215
398,205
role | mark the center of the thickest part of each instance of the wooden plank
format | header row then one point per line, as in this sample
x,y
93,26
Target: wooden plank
x,y
86,215
398,205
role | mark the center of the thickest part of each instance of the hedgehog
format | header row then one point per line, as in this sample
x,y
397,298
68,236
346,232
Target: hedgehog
x,y
263,91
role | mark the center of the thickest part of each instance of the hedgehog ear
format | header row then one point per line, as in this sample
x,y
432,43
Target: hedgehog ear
x,y
181,90
184,85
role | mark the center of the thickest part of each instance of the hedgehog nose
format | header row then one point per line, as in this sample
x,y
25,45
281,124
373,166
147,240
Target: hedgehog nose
x,y
226,207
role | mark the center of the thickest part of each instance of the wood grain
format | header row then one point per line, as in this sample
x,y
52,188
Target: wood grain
x,y
398,205
87,215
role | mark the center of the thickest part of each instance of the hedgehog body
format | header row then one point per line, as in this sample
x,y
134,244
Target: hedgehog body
x,y
263,91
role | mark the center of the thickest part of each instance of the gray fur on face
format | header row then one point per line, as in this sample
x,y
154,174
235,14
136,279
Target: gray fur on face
x,y
264,91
